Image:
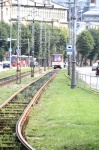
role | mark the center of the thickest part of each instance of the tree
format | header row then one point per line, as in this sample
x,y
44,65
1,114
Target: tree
x,y
85,44
95,51
25,35
57,38
4,34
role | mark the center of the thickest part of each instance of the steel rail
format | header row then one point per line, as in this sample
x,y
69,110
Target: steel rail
x,y
15,94
11,110
13,78
22,119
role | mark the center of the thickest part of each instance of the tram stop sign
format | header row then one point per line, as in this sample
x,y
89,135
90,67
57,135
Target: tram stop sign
x,y
69,49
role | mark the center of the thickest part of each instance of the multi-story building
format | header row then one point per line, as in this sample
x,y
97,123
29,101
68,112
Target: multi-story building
x,y
39,10
92,15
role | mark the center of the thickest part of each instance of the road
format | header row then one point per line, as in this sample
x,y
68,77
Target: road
x,y
5,69
89,76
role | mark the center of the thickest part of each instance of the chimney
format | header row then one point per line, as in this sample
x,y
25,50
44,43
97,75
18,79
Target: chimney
x,y
93,1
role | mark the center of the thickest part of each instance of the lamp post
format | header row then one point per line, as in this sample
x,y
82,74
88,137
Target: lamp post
x,y
10,42
45,52
28,53
73,81
48,54
19,44
32,64
40,50
69,39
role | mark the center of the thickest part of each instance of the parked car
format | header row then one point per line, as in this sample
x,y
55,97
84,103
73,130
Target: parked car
x,y
1,64
6,64
94,66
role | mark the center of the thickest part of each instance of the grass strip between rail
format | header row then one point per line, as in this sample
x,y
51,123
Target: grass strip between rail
x,y
64,118
13,71
6,91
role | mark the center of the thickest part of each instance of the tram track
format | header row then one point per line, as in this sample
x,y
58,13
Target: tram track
x,y
14,113
12,78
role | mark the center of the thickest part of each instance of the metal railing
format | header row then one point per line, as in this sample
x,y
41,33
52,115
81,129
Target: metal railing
x,y
87,81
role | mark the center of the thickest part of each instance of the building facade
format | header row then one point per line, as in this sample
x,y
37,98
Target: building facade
x,y
92,15
45,11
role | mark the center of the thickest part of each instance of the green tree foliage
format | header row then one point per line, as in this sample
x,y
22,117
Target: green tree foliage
x,y
58,38
95,51
85,44
14,36
25,35
4,34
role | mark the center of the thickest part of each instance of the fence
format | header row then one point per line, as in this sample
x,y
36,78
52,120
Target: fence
x,y
87,81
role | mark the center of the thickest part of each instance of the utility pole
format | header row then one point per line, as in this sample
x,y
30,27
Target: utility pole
x,y
48,54
45,51
73,81
69,39
19,45
28,53
40,50
10,50
32,65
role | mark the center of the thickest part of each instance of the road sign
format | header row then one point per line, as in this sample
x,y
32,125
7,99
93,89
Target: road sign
x,y
10,49
8,39
69,49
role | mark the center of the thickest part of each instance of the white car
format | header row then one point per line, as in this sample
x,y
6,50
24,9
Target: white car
x,y
94,66
6,64
1,64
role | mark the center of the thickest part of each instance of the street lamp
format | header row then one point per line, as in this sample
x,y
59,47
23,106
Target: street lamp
x,y
40,50
32,64
73,81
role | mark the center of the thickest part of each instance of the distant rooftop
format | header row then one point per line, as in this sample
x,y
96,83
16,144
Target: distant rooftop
x,y
93,11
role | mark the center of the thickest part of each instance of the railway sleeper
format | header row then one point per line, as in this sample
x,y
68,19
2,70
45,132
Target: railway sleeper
x,y
6,138
7,123
13,102
9,126
11,119
13,113
7,132
16,106
9,142
5,147
19,108
10,147
8,117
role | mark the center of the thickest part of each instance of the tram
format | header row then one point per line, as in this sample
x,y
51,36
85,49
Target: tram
x,y
57,61
23,59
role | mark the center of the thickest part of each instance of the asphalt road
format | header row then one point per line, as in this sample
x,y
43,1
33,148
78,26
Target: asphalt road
x,y
5,69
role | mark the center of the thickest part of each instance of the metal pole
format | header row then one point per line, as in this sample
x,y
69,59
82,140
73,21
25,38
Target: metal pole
x,y
48,49
32,67
73,81
45,52
19,46
69,40
40,50
10,36
28,53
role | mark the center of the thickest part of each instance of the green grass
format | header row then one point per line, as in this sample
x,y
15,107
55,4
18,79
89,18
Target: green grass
x,y
13,71
64,118
7,90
